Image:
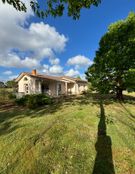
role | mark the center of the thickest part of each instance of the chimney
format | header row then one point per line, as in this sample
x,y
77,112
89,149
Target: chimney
x,y
34,72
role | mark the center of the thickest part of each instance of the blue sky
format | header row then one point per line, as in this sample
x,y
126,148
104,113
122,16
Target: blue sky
x,y
69,45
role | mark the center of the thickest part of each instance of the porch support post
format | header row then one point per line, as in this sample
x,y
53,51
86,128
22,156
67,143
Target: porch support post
x,y
57,88
76,89
39,87
66,89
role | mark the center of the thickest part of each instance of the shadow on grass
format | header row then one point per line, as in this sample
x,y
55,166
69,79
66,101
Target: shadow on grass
x,y
6,121
104,160
9,112
130,114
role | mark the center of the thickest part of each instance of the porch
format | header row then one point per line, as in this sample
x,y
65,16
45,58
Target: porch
x,y
54,88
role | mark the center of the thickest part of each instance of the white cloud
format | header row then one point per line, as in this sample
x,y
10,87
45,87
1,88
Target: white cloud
x,y
41,39
52,70
55,61
72,73
56,69
46,66
45,69
15,61
8,72
79,61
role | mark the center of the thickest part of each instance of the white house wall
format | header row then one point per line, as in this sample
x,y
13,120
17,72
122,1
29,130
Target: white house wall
x,y
31,85
63,88
82,87
71,88
52,88
34,86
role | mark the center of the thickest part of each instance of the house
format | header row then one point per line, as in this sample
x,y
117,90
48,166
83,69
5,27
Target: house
x,y
34,83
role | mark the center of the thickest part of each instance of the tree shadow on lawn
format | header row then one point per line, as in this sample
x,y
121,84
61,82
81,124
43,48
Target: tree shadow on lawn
x,y
130,114
10,112
7,116
94,98
7,128
129,99
108,98
104,159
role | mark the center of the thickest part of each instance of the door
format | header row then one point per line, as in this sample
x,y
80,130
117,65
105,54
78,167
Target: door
x,y
45,88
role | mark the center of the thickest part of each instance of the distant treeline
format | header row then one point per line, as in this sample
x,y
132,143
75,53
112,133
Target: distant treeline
x,y
8,84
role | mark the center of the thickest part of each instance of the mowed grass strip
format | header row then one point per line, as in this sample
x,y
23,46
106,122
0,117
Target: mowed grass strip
x,y
65,138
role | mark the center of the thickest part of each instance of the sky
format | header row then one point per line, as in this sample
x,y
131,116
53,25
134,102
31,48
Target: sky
x,y
54,46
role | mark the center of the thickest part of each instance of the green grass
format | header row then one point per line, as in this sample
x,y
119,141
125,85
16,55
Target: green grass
x,y
4,95
76,136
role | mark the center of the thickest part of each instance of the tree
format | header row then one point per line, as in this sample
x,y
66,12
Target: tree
x,y
114,64
2,85
54,7
10,84
78,77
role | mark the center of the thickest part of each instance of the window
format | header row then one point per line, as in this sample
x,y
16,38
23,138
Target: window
x,y
26,88
25,79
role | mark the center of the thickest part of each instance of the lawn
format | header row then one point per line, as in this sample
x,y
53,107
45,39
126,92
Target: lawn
x,y
84,135
4,93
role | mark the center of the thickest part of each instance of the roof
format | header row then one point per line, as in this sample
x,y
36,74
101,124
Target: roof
x,y
75,79
56,78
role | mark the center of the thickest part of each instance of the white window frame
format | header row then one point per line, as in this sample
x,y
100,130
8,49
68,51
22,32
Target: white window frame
x,y
26,88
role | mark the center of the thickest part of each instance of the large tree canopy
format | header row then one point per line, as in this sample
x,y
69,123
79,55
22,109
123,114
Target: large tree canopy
x,y
54,7
114,63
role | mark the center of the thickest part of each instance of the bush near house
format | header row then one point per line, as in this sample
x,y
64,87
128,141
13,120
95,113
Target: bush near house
x,y
22,101
34,100
11,96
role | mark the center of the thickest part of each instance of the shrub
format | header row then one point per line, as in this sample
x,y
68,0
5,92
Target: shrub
x,y
37,100
22,101
34,100
4,94
12,96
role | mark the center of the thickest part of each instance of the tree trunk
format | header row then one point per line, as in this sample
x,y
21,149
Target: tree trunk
x,y
119,94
